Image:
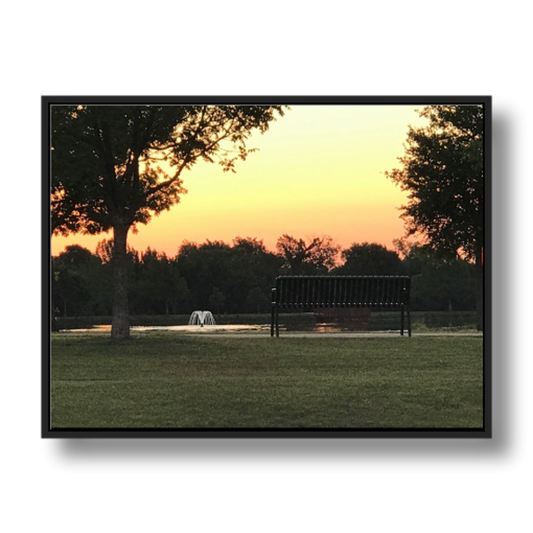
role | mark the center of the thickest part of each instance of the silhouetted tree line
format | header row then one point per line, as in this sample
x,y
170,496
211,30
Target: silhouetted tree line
x,y
238,278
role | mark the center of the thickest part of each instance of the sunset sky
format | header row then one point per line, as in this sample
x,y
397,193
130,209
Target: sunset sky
x,y
319,171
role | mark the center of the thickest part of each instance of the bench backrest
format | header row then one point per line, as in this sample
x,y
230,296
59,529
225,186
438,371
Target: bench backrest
x,y
342,291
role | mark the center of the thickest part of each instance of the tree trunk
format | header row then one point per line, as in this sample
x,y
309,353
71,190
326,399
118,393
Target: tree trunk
x,y
479,290
120,326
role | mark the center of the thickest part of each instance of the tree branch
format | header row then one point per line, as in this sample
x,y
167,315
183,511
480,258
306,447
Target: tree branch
x,y
191,156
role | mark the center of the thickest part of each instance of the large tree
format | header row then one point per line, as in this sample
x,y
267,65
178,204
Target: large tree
x,y
442,171
113,167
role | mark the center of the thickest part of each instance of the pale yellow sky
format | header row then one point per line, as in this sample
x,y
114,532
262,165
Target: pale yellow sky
x,y
319,171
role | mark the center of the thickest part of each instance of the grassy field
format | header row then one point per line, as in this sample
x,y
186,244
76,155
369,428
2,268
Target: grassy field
x,y
168,380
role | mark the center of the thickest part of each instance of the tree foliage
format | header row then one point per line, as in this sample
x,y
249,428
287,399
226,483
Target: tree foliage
x,y
370,259
238,278
80,283
314,256
228,278
439,284
442,171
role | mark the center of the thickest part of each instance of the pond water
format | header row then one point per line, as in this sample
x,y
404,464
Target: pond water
x,y
207,328
211,328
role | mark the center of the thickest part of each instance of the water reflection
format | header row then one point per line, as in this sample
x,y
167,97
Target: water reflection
x,y
206,328
187,329
329,329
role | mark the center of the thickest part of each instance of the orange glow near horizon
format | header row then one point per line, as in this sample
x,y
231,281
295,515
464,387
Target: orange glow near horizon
x,y
319,171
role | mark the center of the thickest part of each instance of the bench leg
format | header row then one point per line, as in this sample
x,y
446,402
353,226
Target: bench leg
x,y
409,321
273,312
402,322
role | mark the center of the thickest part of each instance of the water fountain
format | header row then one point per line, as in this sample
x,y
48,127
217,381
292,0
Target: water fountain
x,y
201,317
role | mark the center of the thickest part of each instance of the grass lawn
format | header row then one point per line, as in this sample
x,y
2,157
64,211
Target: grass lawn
x,y
171,380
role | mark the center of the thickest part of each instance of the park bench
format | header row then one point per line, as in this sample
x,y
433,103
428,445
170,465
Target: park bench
x,y
312,292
